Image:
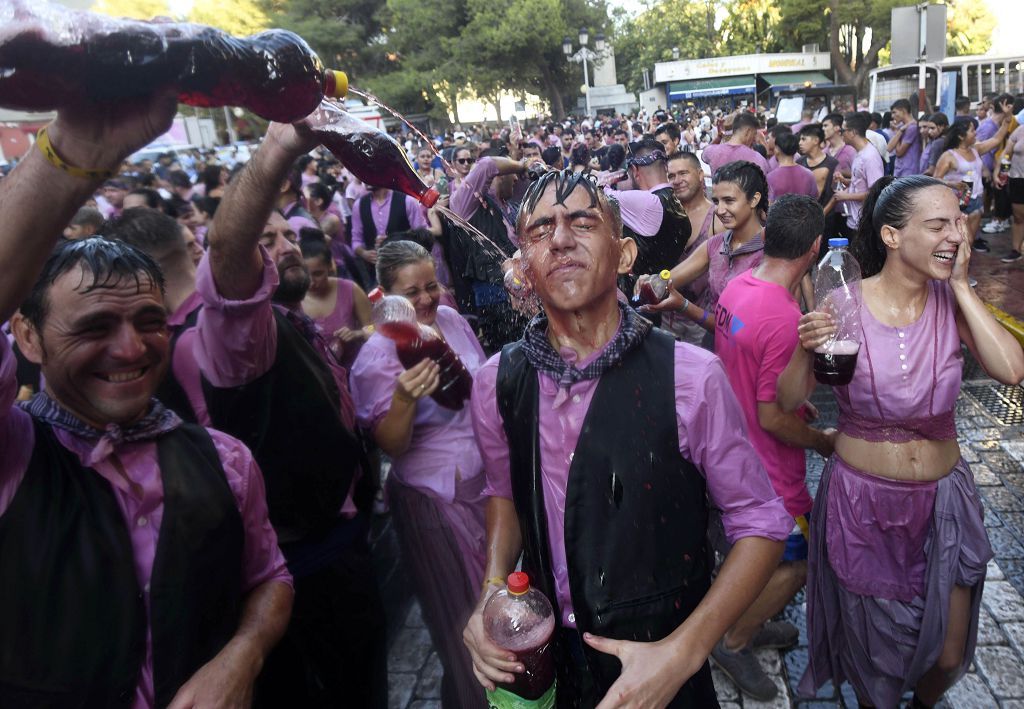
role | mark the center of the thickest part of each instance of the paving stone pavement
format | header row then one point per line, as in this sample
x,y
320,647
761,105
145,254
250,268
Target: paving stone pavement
x,y
991,426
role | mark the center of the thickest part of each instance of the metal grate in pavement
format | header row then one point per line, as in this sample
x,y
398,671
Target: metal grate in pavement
x,y
1004,403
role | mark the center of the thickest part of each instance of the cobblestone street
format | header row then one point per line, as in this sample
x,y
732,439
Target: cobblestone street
x,y
990,422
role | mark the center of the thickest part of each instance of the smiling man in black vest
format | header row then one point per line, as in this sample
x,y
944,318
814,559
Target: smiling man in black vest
x,y
602,439
137,561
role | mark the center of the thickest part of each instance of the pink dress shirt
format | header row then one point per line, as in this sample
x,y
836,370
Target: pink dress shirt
x,y
712,434
362,234
141,499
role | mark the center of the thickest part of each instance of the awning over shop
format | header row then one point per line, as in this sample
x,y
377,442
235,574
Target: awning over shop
x,y
723,86
796,80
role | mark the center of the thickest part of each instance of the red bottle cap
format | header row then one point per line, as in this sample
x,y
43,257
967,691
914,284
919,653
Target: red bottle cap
x,y
428,198
518,583
375,295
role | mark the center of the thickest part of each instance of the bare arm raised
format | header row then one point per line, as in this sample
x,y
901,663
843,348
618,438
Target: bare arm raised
x,y
97,137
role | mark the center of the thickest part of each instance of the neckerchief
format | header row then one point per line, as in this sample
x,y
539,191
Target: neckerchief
x,y
156,422
543,356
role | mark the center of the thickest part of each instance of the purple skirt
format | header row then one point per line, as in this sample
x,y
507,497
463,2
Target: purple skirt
x,y
882,642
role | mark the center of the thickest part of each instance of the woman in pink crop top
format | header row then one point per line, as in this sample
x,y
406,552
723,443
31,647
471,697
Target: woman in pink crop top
x,y
898,546
337,305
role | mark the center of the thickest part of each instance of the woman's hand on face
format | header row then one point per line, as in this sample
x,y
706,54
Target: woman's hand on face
x,y
815,329
963,255
418,381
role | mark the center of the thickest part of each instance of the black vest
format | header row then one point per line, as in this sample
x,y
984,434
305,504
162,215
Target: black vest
x,y
483,263
635,509
398,220
664,249
291,420
72,617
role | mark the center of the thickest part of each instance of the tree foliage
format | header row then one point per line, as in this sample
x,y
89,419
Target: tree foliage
x,y
969,27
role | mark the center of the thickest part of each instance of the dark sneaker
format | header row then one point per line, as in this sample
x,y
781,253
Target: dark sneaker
x,y
1011,257
776,635
981,245
745,672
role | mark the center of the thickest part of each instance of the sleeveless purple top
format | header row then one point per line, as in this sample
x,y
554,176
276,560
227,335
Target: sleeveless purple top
x,y
907,378
344,314
725,263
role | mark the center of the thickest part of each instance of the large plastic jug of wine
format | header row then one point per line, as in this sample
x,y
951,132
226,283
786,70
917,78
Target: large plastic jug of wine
x,y
837,290
51,56
394,317
520,619
368,152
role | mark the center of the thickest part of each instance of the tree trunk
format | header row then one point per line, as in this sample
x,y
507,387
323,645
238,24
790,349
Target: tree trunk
x,y
554,95
497,108
839,62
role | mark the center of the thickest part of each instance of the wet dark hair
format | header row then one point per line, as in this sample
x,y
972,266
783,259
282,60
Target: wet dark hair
x,y
901,104
814,130
208,205
580,155
940,119
688,156
787,143
858,123
961,102
956,134
614,157
744,120
552,156
421,236
566,182
397,255
153,198
313,244
320,191
749,178
794,222
107,263
670,129
889,202
178,178
210,177
836,119
152,232
88,216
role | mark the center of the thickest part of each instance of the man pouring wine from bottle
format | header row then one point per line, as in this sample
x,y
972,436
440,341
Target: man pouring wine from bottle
x,y
600,436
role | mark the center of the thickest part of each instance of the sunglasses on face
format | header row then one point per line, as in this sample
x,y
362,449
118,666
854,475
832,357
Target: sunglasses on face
x,y
465,161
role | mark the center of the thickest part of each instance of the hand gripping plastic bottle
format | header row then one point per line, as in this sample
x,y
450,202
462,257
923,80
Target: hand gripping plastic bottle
x,y
520,619
394,317
837,290
51,56
369,153
653,290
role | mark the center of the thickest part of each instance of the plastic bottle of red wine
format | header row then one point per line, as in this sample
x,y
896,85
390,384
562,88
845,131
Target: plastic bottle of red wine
x,y
520,619
369,153
837,290
654,289
394,317
51,56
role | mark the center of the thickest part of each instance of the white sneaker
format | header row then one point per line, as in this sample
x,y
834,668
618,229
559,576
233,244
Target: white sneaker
x,y
995,226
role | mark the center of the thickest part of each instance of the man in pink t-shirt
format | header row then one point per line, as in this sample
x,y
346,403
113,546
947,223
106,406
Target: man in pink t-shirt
x,y
744,132
755,336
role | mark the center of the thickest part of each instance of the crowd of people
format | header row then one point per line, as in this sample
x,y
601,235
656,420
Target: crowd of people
x,y
200,410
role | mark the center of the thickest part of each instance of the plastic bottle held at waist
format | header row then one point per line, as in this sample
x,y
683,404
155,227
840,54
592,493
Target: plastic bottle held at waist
x,y
51,56
969,181
394,317
369,153
837,290
654,289
520,619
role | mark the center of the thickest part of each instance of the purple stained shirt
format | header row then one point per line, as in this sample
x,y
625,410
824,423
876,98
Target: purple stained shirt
x,y
910,163
867,170
986,129
712,435
791,179
469,196
844,156
140,499
641,209
380,211
442,449
724,153
725,263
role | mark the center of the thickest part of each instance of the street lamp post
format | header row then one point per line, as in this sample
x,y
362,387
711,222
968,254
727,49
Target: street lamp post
x,y
583,56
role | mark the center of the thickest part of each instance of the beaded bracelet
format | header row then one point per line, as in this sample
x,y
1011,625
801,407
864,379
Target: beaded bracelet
x,y
46,148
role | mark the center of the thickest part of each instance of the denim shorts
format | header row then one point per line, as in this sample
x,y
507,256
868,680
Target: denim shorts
x,y
973,206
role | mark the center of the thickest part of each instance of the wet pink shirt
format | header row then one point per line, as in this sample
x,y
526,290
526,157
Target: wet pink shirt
x,y
712,434
641,209
725,262
715,156
141,502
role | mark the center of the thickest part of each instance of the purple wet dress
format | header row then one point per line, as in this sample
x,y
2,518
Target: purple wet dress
x,y
885,554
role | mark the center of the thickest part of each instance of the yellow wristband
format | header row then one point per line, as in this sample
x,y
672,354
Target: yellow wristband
x,y
46,148
495,580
